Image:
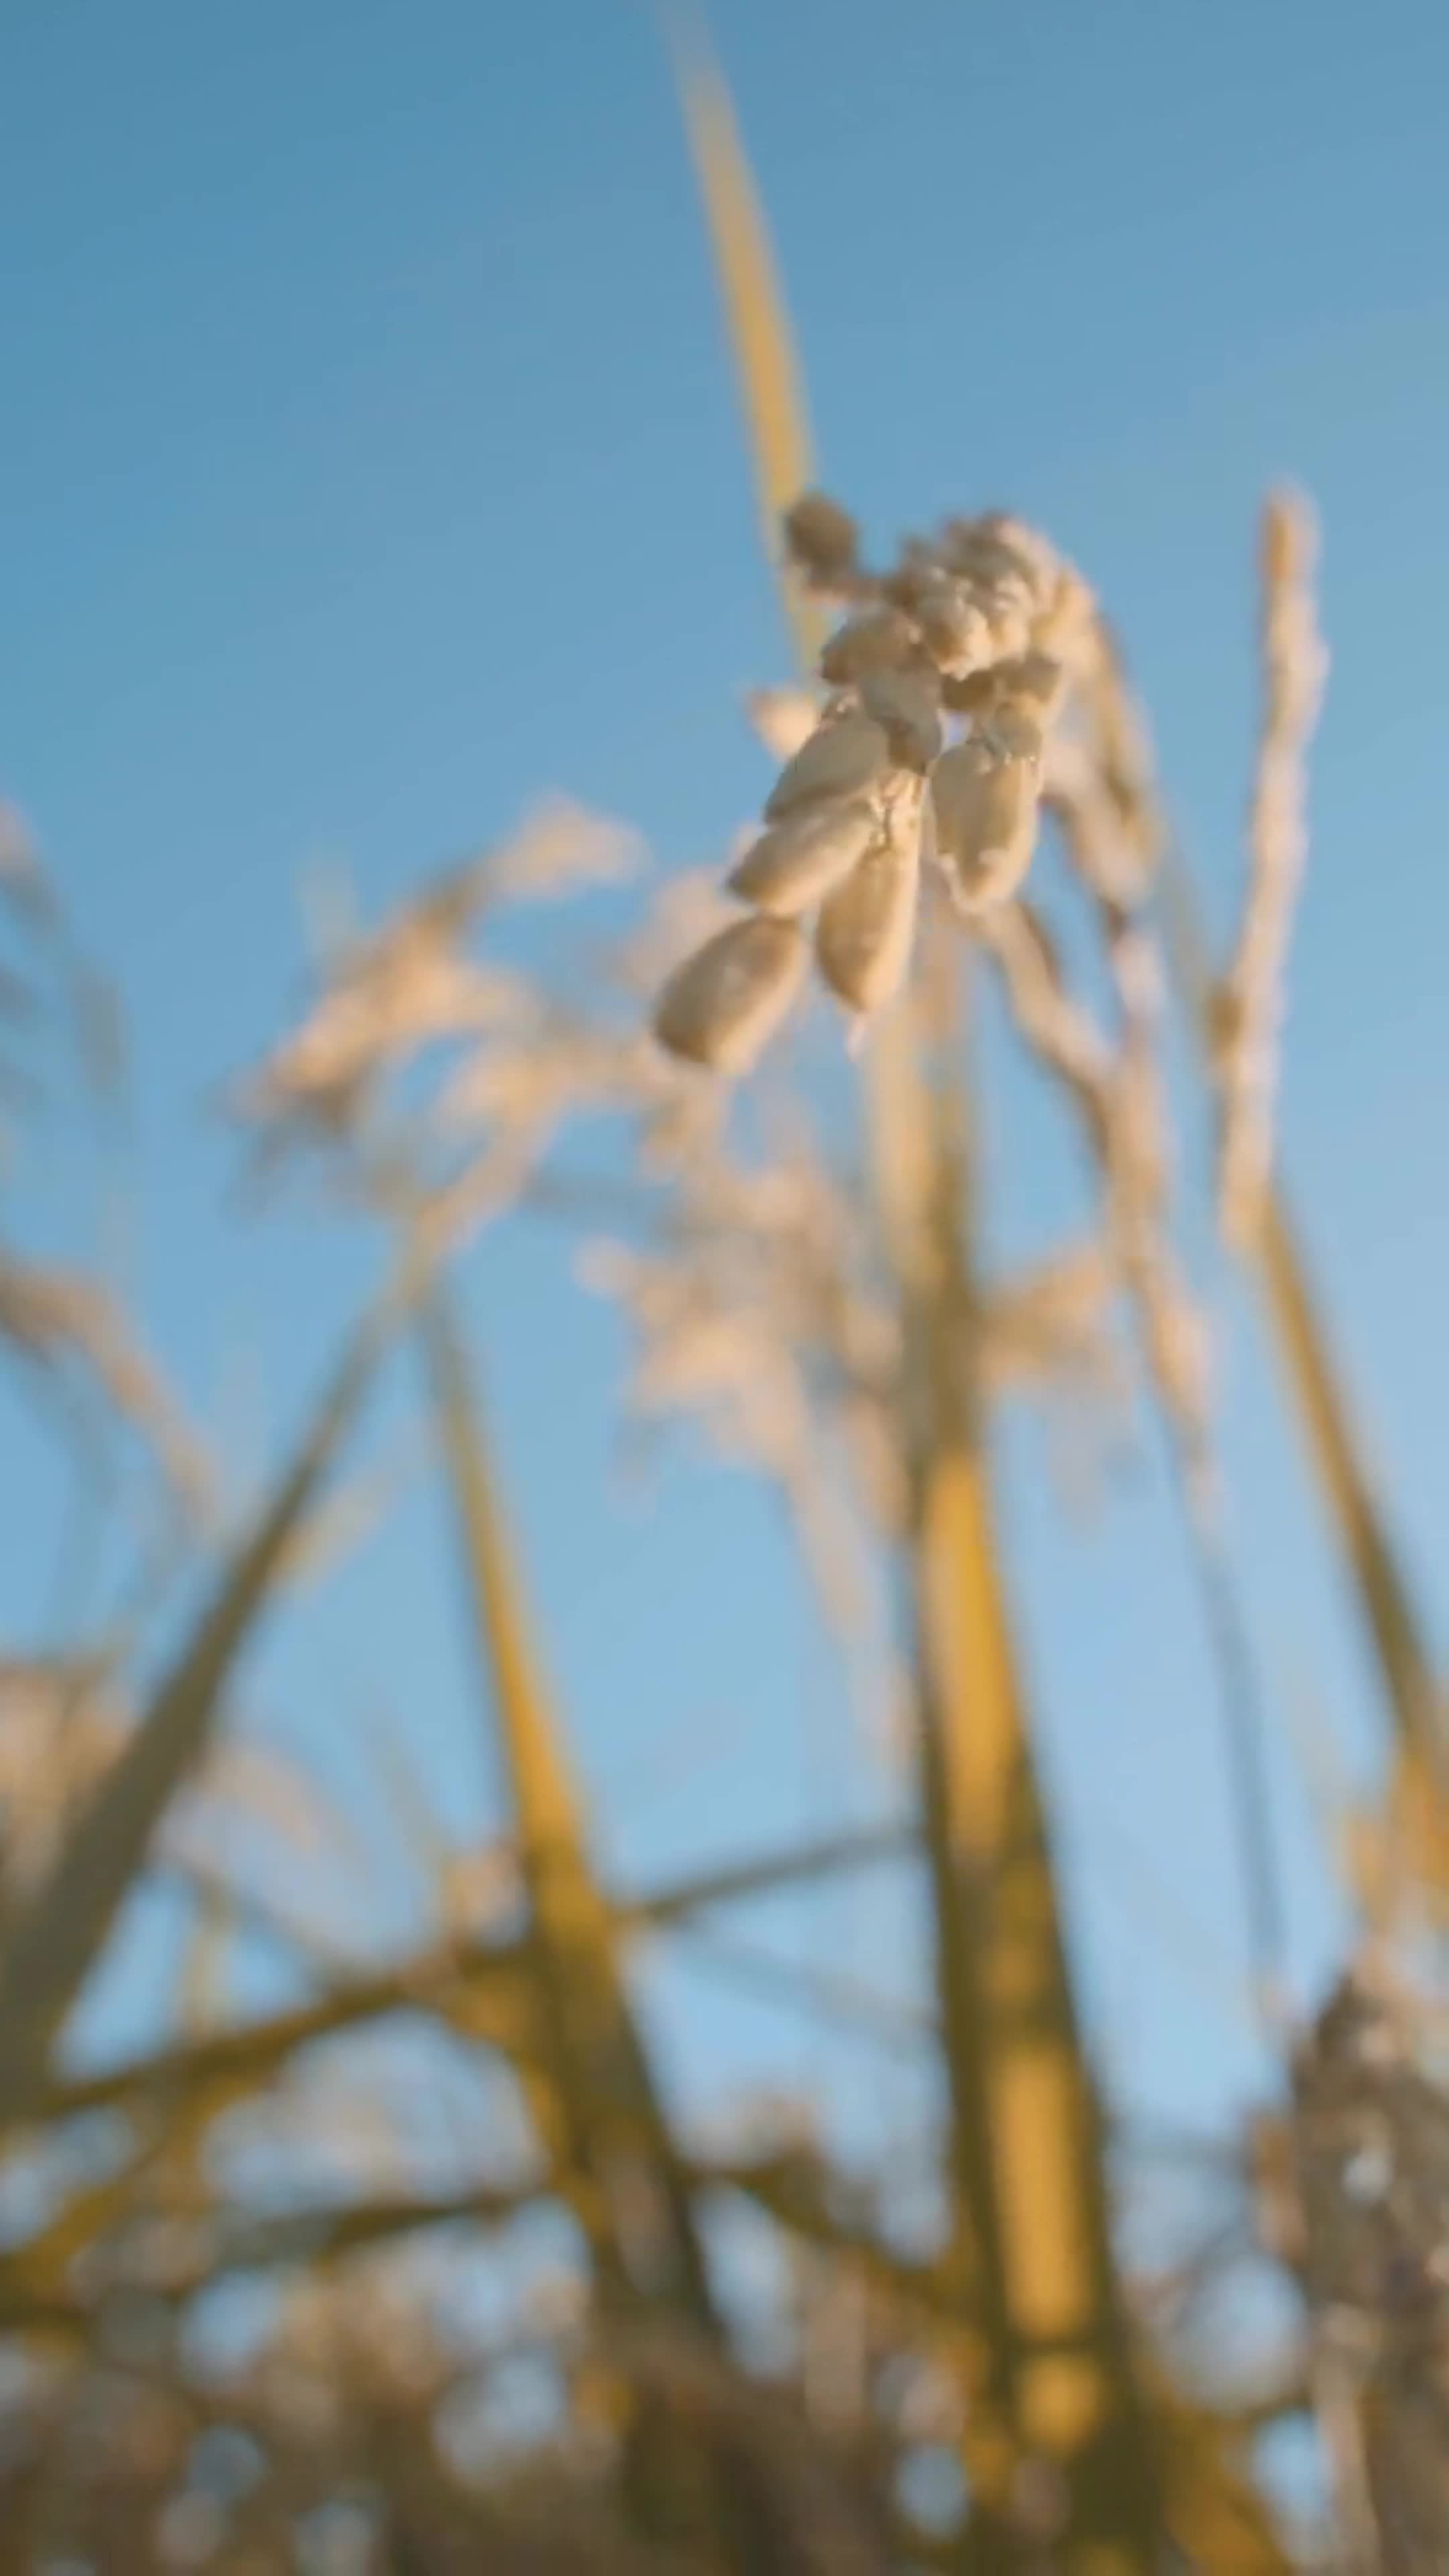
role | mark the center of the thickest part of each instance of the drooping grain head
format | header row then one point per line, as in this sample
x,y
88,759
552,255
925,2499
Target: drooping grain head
x,y
946,676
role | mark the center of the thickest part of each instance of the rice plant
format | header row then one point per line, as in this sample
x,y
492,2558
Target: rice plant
x,y
963,2357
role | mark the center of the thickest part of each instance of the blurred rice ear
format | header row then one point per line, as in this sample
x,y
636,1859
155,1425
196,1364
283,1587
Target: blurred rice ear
x,y
1412,1688
53,1944
788,868
1250,997
64,1325
1391,1615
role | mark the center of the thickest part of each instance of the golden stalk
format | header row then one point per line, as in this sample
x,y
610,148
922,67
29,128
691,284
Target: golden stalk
x,y
1031,2194
766,368
1031,2183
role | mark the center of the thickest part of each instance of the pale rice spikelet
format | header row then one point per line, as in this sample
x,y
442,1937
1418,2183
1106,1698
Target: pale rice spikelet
x,y
822,540
863,937
844,758
1064,627
907,705
784,719
1031,686
985,802
790,867
879,639
957,630
721,1007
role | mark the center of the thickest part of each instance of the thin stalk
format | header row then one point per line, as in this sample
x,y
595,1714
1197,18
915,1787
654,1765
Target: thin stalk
x,y
1245,1738
1030,2192
1390,1613
766,368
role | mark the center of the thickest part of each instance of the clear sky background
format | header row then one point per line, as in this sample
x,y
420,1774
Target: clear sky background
x,y
370,462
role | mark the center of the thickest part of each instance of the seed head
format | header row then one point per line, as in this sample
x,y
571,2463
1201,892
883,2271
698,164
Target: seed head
x,y
980,620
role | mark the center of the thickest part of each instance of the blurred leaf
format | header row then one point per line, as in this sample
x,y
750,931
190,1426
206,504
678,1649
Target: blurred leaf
x,y
605,2123
54,1942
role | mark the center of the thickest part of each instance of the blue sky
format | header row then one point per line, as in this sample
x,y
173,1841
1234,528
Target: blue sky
x,y
369,462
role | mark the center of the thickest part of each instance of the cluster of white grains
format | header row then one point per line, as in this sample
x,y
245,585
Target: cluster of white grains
x,y
941,682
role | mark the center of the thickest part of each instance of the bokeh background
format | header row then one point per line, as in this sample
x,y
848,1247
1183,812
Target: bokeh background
x,y
371,461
